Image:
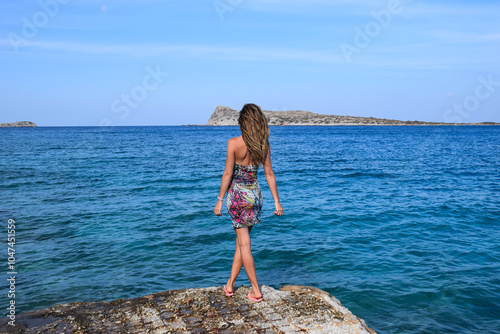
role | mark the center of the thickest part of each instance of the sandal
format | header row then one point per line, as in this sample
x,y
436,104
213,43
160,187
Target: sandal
x,y
255,299
228,293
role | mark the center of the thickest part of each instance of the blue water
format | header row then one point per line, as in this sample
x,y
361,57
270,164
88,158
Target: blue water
x,y
401,224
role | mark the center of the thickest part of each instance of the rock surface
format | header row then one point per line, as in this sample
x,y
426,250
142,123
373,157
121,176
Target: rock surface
x,y
18,124
291,309
227,116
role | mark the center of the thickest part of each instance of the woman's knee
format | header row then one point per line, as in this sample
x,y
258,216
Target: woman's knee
x,y
243,242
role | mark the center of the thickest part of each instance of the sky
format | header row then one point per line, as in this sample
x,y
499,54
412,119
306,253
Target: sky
x,y
172,62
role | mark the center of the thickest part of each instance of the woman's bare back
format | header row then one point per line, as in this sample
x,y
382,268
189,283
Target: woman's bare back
x,y
241,154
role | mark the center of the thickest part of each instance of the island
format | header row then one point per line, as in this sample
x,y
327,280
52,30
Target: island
x,y
227,116
291,309
21,124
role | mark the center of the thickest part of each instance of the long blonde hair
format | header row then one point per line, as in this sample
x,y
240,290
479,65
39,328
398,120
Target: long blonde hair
x,y
255,132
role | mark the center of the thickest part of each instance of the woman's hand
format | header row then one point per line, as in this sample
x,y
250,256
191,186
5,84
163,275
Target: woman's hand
x,y
217,208
279,209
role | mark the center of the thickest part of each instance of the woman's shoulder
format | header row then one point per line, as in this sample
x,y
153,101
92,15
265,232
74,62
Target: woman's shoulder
x,y
234,142
235,139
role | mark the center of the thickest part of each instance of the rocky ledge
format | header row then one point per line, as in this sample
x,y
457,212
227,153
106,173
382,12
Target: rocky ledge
x,y
227,116
18,125
291,309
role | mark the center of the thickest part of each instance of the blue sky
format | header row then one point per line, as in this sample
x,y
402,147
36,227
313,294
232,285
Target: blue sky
x,y
171,62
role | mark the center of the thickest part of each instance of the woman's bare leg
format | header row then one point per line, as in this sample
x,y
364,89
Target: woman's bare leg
x,y
237,264
243,239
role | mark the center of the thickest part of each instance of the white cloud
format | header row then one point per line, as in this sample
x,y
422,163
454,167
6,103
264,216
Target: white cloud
x,y
300,5
416,8
380,56
427,9
461,37
214,52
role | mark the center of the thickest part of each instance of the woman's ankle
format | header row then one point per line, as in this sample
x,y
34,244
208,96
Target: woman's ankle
x,y
255,294
256,290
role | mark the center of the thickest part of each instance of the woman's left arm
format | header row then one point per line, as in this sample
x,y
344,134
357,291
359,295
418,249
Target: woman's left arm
x,y
226,176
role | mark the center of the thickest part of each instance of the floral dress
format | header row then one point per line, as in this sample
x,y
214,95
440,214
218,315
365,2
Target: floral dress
x,y
244,196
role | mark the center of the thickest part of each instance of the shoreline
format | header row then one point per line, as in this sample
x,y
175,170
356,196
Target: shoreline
x,y
291,308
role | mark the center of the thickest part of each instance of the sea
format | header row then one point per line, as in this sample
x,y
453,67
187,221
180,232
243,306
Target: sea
x,y
400,223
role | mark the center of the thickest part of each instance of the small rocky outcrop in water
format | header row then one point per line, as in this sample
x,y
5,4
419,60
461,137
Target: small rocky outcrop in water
x,y
227,116
291,309
18,124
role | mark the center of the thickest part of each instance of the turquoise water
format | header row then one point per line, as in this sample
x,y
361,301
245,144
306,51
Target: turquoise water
x,y
401,224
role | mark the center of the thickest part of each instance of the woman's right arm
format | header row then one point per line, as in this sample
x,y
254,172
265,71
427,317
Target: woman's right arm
x,y
271,182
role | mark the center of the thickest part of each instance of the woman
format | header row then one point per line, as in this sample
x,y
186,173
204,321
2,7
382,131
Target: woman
x,y
244,200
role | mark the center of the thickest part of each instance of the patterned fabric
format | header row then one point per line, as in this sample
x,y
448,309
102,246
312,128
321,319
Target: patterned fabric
x,y
244,197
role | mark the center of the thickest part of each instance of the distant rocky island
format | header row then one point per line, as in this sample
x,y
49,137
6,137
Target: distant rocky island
x,y
18,125
227,116
291,309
